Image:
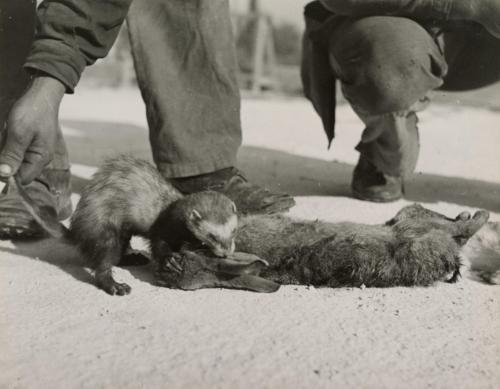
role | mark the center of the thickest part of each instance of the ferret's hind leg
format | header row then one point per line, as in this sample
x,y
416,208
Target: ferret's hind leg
x,y
104,276
456,273
109,255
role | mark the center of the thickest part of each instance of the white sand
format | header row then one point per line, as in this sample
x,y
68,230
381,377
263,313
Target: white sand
x,y
58,331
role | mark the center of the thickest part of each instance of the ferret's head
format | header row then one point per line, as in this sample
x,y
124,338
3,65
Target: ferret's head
x,y
213,220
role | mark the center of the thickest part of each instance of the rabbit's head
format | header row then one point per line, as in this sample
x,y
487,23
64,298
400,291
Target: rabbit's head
x,y
201,269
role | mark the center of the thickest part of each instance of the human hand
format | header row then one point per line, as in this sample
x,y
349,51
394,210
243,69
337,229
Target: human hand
x,y
29,140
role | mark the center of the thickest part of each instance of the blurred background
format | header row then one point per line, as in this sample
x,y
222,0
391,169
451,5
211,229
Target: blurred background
x,y
267,34
284,146
268,41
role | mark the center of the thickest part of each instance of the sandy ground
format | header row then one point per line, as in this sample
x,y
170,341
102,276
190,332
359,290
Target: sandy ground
x,y
58,331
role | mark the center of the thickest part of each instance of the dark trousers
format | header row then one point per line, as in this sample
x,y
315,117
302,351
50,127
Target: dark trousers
x,y
185,62
387,66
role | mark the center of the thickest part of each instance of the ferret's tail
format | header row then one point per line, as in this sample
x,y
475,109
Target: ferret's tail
x,y
47,221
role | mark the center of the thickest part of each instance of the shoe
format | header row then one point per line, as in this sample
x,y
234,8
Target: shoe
x,y
372,185
249,198
51,193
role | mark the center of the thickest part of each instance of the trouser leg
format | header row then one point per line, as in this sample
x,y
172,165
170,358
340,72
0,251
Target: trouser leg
x,y
386,65
185,62
391,142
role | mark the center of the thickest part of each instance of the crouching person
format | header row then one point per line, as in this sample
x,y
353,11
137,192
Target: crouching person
x,y
387,55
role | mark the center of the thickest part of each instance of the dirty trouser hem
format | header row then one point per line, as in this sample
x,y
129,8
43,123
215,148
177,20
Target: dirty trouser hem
x,y
202,166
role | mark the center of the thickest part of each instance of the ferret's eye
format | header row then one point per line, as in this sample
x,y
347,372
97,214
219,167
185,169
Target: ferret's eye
x,y
212,237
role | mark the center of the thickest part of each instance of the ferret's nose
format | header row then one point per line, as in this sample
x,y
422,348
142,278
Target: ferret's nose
x,y
224,250
220,252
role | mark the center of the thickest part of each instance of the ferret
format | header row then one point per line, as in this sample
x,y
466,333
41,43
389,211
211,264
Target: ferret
x,y
125,197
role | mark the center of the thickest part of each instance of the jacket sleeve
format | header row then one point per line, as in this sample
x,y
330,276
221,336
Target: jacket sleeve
x,y
318,79
72,34
420,9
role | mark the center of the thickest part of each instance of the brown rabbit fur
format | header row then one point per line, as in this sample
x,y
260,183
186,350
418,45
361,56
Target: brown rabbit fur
x,y
416,247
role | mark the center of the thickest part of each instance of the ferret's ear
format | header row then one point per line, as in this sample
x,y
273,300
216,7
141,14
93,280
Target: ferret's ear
x,y
195,215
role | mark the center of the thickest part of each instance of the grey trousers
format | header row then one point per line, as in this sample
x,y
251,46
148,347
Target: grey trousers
x,y
387,66
185,61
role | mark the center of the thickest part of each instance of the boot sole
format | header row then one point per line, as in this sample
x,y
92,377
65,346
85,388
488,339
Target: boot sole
x,y
361,196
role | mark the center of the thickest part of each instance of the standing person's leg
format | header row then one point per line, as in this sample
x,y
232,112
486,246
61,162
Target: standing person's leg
x,y
184,56
51,191
186,68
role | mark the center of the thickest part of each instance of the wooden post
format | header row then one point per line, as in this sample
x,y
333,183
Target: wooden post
x,y
264,56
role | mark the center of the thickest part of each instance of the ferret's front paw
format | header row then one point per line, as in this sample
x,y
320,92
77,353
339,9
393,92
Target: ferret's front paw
x,y
170,270
172,264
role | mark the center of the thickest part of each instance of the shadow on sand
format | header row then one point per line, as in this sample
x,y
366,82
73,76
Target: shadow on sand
x,y
62,255
297,175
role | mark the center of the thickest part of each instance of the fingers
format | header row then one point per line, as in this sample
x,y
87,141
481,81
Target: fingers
x,y
12,155
32,166
30,138
23,154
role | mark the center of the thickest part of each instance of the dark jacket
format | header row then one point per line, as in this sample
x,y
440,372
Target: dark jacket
x,y
72,34
318,79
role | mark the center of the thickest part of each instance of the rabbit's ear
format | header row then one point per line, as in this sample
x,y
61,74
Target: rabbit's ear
x,y
240,264
250,282
239,271
218,280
